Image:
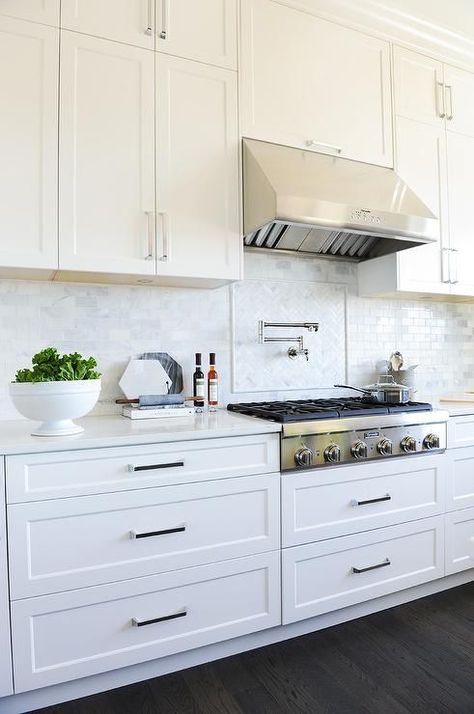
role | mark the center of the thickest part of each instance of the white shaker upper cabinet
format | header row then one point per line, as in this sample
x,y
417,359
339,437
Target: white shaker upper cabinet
x,y
309,83
418,87
107,221
421,162
6,686
197,171
46,11
130,21
461,201
459,100
29,65
204,30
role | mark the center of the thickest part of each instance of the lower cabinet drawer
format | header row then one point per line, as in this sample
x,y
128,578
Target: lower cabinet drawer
x,y
459,541
83,632
333,574
326,503
460,481
80,542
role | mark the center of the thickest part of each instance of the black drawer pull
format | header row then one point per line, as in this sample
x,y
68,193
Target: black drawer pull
x,y
387,497
143,623
372,567
153,467
151,534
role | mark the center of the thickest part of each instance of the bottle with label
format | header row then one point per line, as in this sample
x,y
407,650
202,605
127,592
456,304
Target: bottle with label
x,y
212,383
198,383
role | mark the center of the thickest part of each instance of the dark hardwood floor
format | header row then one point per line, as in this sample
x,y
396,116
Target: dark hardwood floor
x,y
413,659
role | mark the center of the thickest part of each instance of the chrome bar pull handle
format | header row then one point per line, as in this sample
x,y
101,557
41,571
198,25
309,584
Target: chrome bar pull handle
x,y
143,623
149,24
440,101
151,534
154,467
150,254
445,265
383,564
450,113
164,20
165,247
323,145
367,501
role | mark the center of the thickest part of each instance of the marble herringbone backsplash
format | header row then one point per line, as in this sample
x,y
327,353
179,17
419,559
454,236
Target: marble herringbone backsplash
x,y
115,322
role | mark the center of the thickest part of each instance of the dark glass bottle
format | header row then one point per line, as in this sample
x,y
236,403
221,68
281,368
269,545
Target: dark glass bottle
x,y
199,389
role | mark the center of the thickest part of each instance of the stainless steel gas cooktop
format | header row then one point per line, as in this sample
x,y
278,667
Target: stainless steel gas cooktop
x,y
326,432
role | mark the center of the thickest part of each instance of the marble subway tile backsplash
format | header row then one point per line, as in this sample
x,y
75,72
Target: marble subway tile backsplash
x,y
116,322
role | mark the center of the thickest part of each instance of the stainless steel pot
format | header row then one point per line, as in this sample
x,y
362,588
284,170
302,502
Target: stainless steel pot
x,y
385,391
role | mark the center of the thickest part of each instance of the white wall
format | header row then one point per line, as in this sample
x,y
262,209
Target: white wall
x,y
115,322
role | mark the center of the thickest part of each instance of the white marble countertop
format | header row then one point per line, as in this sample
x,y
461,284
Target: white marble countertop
x,y
103,431
454,408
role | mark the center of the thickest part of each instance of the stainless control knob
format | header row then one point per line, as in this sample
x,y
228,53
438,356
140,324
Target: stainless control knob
x,y
431,441
304,456
332,453
408,444
384,447
359,450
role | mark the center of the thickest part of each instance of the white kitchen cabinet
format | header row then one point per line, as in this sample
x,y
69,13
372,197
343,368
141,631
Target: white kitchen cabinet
x,y
421,162
328,503
129,21
6,685
434,107
45,11
197,164
460,153
65,636
80,542
418,87
107,220
459,100
204,30
336,573
29,66
459,541
309,83
60,475
460,482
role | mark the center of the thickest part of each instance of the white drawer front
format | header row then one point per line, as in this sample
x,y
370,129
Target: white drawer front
x,y
460,482
321,577
326,503
459,541
36,477
461,431
69,635
79,542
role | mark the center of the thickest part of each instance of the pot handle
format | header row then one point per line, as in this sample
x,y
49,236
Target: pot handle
x,y
356,389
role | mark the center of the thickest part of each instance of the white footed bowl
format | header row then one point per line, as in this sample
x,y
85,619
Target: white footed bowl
x,y
55,404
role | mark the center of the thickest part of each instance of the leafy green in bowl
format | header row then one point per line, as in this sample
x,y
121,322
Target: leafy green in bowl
x,y
50,366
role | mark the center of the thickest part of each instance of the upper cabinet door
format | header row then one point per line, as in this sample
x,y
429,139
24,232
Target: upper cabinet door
x,y
106,156
310,83
46,11
130,21
204,30
461,200
29,65
197,170
459,100
421,162
418,87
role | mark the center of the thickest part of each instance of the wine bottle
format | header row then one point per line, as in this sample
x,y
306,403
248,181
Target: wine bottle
x,y
212,383
198,383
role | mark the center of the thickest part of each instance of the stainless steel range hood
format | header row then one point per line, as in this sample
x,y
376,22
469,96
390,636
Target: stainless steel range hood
x,y
303,201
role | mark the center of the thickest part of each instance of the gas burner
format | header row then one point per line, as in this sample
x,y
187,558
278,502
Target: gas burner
x,y
312,409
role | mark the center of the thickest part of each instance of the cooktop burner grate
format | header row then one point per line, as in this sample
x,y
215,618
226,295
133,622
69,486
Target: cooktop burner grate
x,y
313,409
